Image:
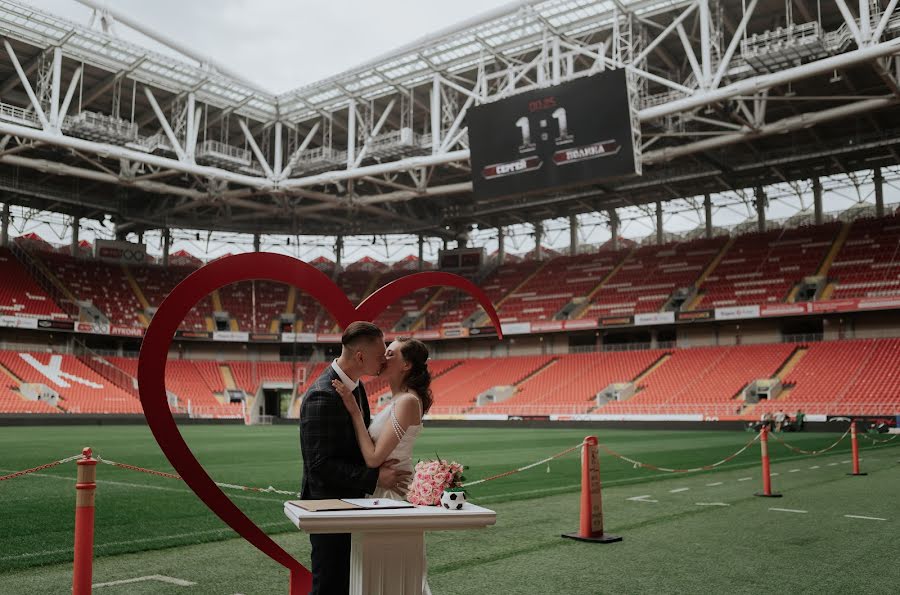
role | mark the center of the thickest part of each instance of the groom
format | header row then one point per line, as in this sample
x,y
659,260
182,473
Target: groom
x,y
333,466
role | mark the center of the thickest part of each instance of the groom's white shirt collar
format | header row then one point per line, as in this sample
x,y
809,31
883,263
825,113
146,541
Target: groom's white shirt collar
x,y
344,378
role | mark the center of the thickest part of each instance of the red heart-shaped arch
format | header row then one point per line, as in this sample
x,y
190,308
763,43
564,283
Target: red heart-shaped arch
x,y
246,267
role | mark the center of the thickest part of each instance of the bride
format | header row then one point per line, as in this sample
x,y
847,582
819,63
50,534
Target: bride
x,y
393,432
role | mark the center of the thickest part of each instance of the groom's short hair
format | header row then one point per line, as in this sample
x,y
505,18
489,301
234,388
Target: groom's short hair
x,y
360,331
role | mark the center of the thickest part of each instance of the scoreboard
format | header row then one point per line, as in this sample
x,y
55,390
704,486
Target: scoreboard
x,y
569,134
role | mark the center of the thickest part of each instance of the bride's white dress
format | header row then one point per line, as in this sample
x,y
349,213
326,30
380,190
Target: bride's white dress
x,y
386,421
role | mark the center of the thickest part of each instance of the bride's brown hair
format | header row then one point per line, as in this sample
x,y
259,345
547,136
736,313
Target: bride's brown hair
x,y
418,379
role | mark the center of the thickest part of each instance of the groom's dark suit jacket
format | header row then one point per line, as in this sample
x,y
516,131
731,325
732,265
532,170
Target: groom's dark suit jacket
x,y
333,466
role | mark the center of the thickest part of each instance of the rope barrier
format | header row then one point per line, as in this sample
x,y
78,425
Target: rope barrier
x,y
635,463
810,452
40,468
139,469
879,441
268,490
638,464
525,468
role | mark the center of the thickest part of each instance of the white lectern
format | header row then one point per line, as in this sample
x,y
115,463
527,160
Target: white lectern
x,y
387,552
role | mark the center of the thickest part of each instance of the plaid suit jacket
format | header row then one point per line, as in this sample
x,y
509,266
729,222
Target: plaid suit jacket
x,y
333,465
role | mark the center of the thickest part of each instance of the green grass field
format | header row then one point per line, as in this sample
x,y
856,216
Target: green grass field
x,y
684,533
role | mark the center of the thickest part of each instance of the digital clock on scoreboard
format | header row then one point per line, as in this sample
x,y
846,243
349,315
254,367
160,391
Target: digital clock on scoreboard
x,y
569,134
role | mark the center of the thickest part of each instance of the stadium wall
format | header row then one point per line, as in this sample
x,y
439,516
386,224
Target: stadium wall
x,y
11,420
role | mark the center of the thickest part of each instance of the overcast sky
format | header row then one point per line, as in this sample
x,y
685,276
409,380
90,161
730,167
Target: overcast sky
x,y
282,44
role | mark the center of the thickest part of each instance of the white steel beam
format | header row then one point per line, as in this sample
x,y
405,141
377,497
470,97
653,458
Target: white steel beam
x,y
192,139
665,33
689,52
735,40
705,45
139,156
255,148
292,162
23,78
70,93
374,170
435,114
851,23
865,21
61,169
766,81
278,150
779,127
351,133
888,13
189,136
449,139
375,131
408,194
176,146
54,88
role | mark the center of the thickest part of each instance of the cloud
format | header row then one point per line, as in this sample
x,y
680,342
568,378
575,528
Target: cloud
x,y
284,44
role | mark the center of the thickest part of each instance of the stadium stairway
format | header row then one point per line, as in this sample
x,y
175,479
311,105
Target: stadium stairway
x,y
138,292
111,373
227,377
640,377
50,277
583,309
11,401
791,363
709,269
420,322
484,318
833,252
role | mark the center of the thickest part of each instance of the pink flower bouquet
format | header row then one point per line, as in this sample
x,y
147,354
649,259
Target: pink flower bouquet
x,y
430,480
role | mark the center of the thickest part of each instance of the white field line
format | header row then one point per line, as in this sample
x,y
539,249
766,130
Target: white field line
x,y
145,486
153,577
99,546
868,518
789,510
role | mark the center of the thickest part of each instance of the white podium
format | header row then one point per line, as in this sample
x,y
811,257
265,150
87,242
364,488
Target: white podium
x,y
387,552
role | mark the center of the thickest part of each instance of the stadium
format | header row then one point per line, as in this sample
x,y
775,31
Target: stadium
x,y
701,269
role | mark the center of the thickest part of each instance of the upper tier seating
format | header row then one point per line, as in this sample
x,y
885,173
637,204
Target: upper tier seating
x,y
104,284
761,268
868,264
557,283
649,277
268,298
20,294
157,282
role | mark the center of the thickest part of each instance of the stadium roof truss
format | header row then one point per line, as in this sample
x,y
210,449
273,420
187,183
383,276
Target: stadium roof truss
x,y
93,125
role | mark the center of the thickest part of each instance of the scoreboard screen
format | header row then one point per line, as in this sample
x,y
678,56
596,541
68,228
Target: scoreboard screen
x,y
569,134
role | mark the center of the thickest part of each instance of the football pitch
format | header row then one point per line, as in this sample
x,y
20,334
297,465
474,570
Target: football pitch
x,y
697,532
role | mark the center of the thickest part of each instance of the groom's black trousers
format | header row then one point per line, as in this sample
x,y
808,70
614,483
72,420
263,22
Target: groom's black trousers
x,y
330,563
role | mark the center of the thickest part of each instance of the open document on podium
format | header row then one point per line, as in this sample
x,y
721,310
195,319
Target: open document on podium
x,y
349,504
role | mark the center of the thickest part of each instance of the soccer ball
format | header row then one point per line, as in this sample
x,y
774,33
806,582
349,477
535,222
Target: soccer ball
x,y
453,500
